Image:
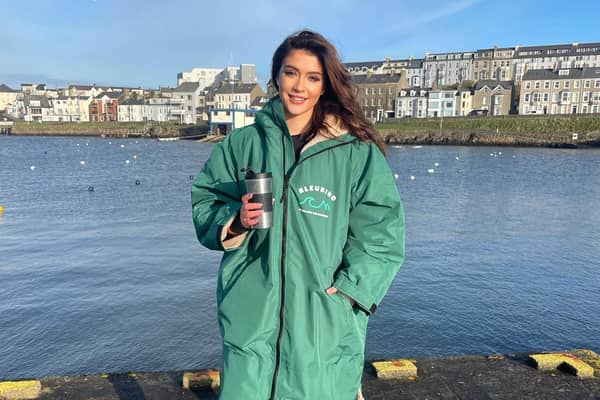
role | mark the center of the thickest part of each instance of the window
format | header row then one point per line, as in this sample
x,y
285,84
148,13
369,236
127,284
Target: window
x,y
597,83
586,96
587,84
546,84
537,84
390,91
556,84
536,97
528,85
565,96
576,84
189,97
575,97
526,97
546,96
567,84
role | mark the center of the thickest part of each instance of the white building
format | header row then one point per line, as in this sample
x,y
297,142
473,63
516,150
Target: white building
x,y
37,109
132,110
411,103
8,96
187,99
441,103
233,106
447,68
70,109
205,77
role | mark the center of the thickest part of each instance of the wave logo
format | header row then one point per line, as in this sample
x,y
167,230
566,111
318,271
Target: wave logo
x,y
312,203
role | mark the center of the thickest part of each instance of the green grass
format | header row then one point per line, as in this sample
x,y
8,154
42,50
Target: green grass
x,y
505,124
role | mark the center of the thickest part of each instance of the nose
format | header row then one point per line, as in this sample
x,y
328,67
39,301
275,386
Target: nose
x,y
298,86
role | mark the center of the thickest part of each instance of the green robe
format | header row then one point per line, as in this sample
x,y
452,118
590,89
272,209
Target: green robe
x,y
337,221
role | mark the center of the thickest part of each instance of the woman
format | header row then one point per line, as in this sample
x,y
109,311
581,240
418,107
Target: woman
x,y
294,300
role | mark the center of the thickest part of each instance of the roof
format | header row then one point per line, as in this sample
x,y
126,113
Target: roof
x,y
367,64
557,50
110,95
187,87
44,103
6,89
375,79
491,84
132,102
259,101
240,88
82,87
573,73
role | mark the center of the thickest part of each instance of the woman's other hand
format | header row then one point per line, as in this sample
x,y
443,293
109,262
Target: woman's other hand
x,y
333,290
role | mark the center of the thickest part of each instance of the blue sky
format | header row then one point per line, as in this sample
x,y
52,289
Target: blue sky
x,y
147,42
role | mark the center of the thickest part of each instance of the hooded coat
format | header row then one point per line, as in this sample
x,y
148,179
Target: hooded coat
x,y
337,221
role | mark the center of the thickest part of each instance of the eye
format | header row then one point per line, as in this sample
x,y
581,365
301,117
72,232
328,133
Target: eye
x,y
314,79
289,73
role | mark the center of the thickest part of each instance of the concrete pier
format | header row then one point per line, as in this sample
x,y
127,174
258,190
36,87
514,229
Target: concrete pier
x,y
511,376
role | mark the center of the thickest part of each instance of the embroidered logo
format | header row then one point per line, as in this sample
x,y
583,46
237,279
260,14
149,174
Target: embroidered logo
x,y
317,200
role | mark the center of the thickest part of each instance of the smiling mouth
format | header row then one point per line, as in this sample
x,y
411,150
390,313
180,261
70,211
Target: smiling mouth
x,y
296,99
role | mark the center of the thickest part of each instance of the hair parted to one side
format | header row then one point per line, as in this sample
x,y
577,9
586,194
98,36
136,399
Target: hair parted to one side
x,y
339,98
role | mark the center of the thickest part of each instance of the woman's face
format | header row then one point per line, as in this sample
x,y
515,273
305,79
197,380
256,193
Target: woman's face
x,y
301,84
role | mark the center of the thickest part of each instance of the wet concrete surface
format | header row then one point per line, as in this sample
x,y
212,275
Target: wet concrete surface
x,y
463,377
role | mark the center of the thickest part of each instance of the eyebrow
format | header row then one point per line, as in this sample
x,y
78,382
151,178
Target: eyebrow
x,y
309,72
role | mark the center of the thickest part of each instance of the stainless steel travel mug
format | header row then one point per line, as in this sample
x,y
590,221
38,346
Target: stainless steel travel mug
x,y
261,186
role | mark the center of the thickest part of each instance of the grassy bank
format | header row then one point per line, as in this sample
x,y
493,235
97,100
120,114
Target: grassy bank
x,y
551,131
547,130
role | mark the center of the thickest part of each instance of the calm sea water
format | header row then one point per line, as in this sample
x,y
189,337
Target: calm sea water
x,y
503,256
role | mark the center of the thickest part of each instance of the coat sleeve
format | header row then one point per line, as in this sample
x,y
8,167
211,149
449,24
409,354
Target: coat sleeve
x,y
216,199
374,250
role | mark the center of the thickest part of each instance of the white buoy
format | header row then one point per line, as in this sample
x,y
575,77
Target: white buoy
x,y
437,164
134,156
431,170
457,157
412,177
87,144
109,142
32,167
500,153
122,146
396,176
77,144
82,162
126,161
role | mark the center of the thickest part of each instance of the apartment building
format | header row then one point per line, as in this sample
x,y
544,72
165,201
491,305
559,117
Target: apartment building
x,y
377,94
442,102
105,107
560,56
563,91
447,68
411,103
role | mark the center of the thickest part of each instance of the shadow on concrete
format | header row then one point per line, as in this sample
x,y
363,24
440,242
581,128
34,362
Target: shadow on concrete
x,y
126,387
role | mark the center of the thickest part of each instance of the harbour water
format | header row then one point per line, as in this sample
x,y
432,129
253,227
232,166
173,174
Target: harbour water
x,y
100,270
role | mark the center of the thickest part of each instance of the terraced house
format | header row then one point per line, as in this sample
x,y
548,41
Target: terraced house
x,y
562,91
377,94
493,97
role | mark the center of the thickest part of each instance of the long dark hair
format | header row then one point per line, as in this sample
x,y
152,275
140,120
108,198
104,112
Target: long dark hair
x,y
340,98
